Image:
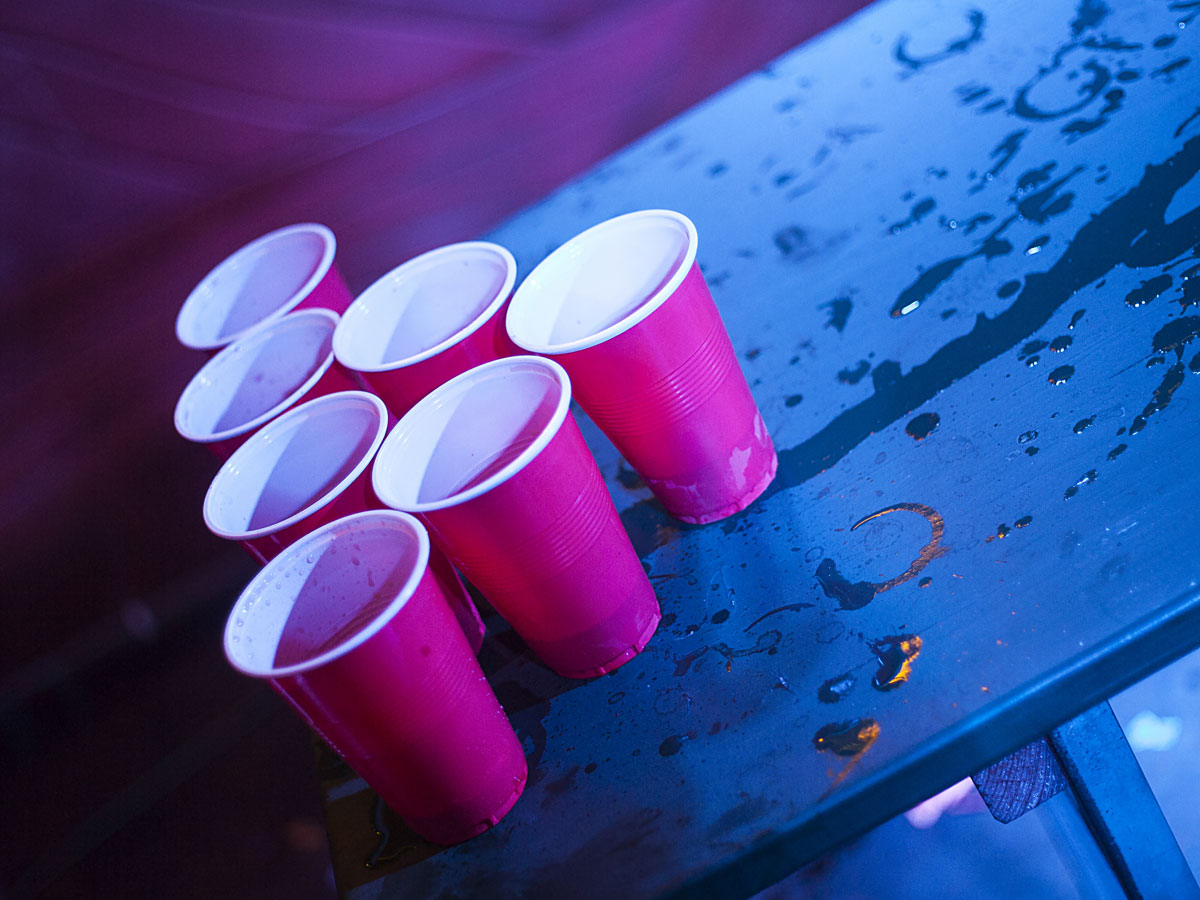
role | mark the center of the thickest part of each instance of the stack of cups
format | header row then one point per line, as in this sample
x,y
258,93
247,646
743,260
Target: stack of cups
x,y
358,619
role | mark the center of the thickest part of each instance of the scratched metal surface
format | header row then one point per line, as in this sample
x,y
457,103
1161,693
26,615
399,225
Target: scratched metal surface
x,y
980,212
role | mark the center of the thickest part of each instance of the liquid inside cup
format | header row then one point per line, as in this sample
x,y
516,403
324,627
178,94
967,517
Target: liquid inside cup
x,y
324,593
254,283
292,464
598,279
423,304
257,375
477,425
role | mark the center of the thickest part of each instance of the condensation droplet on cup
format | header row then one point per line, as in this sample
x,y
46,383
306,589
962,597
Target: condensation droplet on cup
x,y
308,559
239,623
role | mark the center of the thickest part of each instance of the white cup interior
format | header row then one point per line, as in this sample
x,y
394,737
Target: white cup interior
x,y
602,282
327,593
268,276
245,384
295,465
471,434
424,306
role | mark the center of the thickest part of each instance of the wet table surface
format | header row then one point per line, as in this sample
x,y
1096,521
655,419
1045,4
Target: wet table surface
x,y
956,246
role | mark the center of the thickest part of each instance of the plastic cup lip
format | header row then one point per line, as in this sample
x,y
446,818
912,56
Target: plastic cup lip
x,y
252,339
186,330
268,435
304,547
390,455
353,315
557,258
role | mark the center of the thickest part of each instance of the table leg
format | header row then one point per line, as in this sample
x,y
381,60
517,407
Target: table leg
x,y
1120,809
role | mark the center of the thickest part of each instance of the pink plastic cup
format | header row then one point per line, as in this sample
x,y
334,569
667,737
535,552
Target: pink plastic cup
x,y
495,466
428,320
624,308
305,469
351,627
256,378
288,269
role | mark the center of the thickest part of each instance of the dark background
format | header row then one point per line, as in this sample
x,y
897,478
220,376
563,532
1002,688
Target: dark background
x,y
140,143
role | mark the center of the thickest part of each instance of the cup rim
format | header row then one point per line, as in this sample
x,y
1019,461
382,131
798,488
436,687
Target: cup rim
x,y
410,422
354,311
267,434
185,319
252,339
657,299
272,570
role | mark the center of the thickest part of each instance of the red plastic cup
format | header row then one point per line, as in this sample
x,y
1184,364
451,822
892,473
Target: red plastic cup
x,y
256,378
428,320
351,627
495,466
624,308
291,268
305,469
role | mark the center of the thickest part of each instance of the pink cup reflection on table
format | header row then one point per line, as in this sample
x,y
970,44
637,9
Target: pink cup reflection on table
x,y
432,318
309,467
256,378
352,629
291,268
623,307
495,466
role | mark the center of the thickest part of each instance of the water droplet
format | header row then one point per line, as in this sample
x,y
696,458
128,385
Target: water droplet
x,y
1031,451
309,558
1022,522
1075,319
1083,424
1061,374
671,745
895,655
1031,347
1036,245
1027,436
836,688
1061,343
1149,290
925,582
1002,531
922,426
847,738
1117,451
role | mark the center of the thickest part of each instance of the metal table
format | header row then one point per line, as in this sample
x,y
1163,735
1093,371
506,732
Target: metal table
x,y
956,245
